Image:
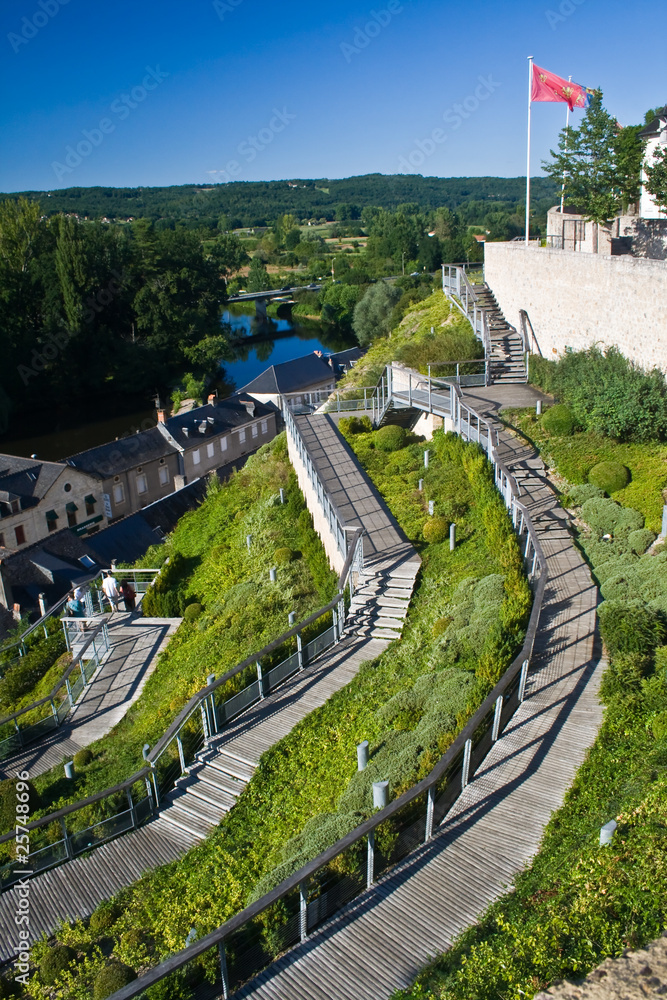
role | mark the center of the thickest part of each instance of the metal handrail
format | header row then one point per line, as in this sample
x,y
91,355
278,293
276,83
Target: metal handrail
x,y
300,878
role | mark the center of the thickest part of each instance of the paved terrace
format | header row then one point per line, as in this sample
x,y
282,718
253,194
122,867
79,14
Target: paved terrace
x,y
380,942
136,643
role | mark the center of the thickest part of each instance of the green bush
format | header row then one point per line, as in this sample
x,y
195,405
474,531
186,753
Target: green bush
x,y
55,961
355,425
436,529
640,540
578,495
103,919
172,988
609,476
608,517
82,758
25,674
111,978
558,419
390,438
283,555
630,627
193,611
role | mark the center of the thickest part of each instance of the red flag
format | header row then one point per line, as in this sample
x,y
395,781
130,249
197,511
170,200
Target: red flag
x,y
549,87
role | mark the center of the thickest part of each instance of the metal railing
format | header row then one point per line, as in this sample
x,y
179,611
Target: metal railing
x,y
350,399
459,291
246,944
43,716
335,520
86,824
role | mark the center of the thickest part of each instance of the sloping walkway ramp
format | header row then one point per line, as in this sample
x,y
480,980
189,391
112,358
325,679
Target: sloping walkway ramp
x,y
76,888
136,643
380,942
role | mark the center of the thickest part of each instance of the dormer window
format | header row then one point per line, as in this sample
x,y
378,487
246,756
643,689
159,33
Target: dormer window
x,y
15,506
52,520
90,502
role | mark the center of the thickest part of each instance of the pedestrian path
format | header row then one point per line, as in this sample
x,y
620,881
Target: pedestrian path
x,y
136,644
380,942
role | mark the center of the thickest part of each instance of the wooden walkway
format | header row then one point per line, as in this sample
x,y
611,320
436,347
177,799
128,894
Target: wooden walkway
x,y
73,890
380,942
136,643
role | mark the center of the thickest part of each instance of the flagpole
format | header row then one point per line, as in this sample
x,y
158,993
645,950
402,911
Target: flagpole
x,y
530,90
567,137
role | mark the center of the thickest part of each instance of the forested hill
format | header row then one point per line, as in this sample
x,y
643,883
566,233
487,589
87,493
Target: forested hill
x,y
256,203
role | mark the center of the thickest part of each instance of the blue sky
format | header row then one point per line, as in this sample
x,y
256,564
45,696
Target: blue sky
x,y
301,89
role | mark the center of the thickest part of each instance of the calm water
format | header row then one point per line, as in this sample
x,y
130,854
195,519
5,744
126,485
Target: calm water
x,y
284,342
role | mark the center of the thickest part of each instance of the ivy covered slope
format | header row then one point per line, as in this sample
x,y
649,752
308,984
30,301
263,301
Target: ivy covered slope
x,y
30,677
230,606
423,331
465,623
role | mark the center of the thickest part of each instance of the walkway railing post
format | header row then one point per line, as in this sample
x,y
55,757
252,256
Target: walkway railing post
x,y
223,970
68,846
370,859
130,802
299,650
204,722
522,682
181,755
430,405
303,911
83,674
260,680
465,772
69,692
496,718
430,808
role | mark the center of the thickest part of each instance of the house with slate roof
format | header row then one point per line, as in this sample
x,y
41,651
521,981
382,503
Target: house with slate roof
x,y
306,382
38,498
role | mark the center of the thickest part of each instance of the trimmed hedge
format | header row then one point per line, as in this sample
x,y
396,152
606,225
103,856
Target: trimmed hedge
x,y
558,419
112,978
609,476
390,438
436,529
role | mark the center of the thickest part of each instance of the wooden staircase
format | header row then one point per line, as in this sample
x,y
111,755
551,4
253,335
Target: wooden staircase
x,y
208,791
507,361
379,607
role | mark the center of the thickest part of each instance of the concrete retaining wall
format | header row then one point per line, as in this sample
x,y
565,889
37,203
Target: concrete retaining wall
x,y
320,520
577,299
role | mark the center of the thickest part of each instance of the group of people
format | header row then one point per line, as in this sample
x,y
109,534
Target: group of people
x,y
114,594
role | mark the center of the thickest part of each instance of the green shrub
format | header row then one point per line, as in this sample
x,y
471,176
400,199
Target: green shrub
x,y
55,961
283,555
659,725
111,978
558,420
608,517
354,425
390,438
193,611
82,758
9,989
172,988
103,919
578,495
25,674
436,529
609,476
630,627
640,540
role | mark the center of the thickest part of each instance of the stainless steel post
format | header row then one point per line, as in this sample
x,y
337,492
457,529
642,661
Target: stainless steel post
x,y
223,970
181,755
430,807
465,773
496,718
522,682
303,910
370,859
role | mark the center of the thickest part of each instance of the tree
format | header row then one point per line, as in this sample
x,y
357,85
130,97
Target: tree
x,y
19,225
258,276
587,159
629,156
656,178
372,314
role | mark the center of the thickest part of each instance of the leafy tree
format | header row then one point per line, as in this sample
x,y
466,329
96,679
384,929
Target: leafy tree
x,y
629,155
292,238
656,178
372,314
19,226
339,302
258,276
586,158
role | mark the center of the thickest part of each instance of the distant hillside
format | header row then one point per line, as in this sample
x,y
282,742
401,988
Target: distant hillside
x,y
256,203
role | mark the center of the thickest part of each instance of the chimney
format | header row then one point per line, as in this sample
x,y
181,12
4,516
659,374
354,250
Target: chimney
x,y
162,416
213,398
250,406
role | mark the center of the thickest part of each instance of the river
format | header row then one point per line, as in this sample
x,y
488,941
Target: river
x,y
282,340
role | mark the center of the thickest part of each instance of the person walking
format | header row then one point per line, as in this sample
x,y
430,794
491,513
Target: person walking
x,y
75,609
111,591
129,595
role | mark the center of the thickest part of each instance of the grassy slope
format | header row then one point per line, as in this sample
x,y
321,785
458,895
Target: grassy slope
x,y
576,904
243,610
306,773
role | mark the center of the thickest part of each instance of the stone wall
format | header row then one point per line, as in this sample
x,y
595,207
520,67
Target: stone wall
x,y
577,299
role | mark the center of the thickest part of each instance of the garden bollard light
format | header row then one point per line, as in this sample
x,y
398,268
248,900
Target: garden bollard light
x,y
42,604
431,507
362,755
248,541
664,522
452,537
421,485
282,495
69,769
273,576
146,747
426,454
607,832
210,679
380,794
538,407
291,617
